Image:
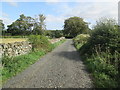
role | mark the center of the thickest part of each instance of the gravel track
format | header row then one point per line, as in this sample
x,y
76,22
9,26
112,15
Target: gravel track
x,y
61,68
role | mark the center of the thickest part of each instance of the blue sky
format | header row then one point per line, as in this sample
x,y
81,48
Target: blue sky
x,y
57,12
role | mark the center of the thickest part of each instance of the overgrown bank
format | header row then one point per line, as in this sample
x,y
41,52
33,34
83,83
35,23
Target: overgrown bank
x,y
101,51
14,65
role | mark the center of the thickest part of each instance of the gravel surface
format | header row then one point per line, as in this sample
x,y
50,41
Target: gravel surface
x,y
61,68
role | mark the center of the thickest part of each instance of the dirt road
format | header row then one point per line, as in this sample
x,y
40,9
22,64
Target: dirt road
x,y
60,68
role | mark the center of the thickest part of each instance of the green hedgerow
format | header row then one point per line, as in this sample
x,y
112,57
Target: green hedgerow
x,y
101,53
105,34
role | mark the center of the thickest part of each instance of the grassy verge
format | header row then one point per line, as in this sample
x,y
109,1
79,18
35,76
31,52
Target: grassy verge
x,y
105,75
58,43
13,66
103,65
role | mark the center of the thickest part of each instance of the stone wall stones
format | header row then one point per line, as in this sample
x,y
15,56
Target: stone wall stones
x,y
19,48
15,49
56,40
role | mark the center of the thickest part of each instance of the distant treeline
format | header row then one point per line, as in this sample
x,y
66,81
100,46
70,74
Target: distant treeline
x,y
26,25
54,33
49,33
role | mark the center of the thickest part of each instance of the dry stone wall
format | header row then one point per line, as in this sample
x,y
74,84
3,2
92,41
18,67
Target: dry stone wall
x,y
15,49
19,48
56,40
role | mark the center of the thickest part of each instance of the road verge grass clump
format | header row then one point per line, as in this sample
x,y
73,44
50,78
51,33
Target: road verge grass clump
x,y
80,40
40,42
14,65
100,52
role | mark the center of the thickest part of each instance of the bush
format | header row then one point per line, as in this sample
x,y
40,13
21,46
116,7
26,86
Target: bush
x,y
101,52
104,81
105,35
40,42
54,33
103,68
100,63
80,40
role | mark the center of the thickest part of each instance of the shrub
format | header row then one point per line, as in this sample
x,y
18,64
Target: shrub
x,y
40,42
101,52
105,35
80,40
100,63
54,33
103,68
102,80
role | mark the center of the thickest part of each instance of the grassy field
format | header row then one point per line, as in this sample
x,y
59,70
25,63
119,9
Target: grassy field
x,y
12,40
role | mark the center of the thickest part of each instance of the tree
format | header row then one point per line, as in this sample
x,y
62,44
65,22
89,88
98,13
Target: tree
x,y
27,25
21,26
41,20
1,25
58,33
74,26
39,25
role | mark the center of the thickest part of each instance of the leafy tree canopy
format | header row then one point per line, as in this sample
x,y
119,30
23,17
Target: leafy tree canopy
x,y
74,26
1,25
26,25
21,26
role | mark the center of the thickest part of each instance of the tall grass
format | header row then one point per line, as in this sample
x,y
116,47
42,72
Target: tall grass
x,y
14,65
103,66
105,71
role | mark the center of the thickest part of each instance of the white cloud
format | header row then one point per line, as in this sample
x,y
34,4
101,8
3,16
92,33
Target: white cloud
x,y
6,19
52,0
4,15
51,18
54,22
61,0
93,10
89,11
11,2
